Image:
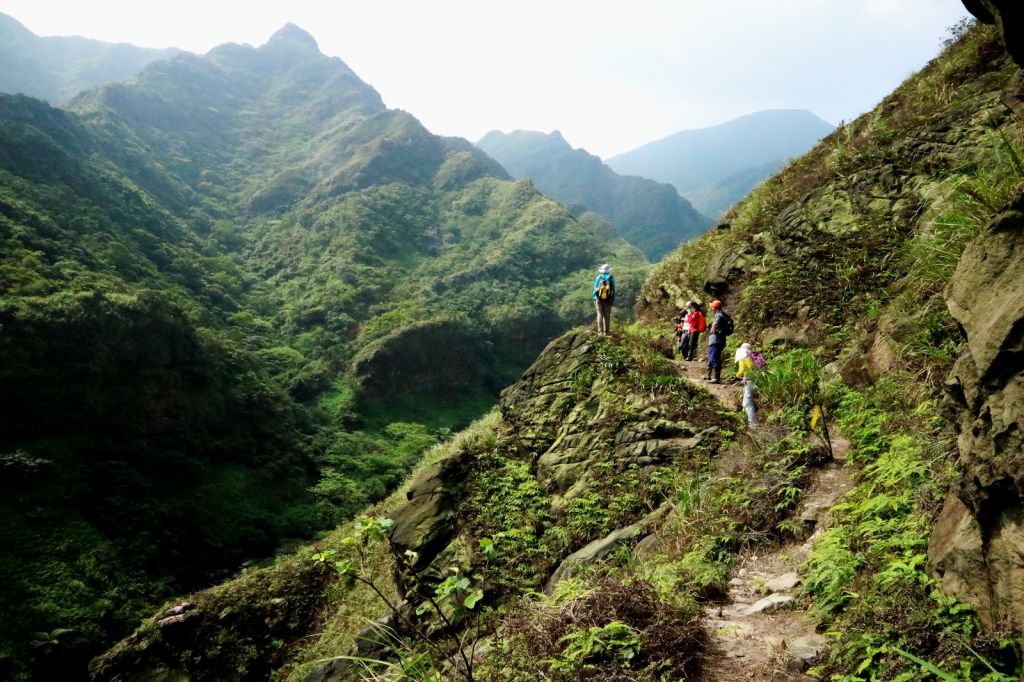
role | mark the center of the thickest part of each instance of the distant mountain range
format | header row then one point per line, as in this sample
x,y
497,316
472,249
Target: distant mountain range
x,y
58,68
650,215
716,167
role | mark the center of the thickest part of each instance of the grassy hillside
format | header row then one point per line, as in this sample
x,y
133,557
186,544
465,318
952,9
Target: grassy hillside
x,y
593,526
849,251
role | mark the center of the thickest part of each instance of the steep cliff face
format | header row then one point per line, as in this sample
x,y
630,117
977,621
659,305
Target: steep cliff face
x,y
977,550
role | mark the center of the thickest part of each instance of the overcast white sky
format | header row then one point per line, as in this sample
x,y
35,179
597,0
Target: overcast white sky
x,y
611,75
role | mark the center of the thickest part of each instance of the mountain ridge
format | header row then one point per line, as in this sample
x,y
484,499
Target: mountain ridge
x,y
57,68
648,214
695,161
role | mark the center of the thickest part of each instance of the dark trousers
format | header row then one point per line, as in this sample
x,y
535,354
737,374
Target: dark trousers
x,y
715,359
683,343
604,316
690,352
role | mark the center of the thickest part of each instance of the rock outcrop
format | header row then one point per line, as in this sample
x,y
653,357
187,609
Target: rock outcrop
x,y
230,631
582,426
977,549
1008,16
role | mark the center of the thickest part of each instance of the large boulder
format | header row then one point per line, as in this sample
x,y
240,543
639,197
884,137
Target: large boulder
x,y
977,548
425,524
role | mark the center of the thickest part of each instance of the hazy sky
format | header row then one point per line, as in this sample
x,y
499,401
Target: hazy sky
x,y
609,75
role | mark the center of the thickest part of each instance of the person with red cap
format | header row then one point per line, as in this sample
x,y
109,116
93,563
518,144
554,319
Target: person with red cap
x,y
721,327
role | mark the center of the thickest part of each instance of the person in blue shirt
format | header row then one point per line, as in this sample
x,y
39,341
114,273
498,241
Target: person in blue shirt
x,y
717,333
604,297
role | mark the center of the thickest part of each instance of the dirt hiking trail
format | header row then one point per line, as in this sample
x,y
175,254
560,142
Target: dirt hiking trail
x,y
758,633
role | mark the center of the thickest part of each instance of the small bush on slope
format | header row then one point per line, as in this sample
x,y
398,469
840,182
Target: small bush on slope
x,y
620,628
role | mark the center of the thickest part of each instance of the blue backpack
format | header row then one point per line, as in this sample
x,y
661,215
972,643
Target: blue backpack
x,y
726,325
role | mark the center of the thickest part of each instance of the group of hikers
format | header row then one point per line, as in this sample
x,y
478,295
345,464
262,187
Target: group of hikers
x,y
689,326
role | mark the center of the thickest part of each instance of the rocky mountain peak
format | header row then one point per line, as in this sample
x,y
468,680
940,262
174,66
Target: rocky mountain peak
x,y
294,38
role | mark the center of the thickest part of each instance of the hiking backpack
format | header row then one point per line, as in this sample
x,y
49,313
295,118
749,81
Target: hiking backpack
x,y
605,290
702,322
727,326
757,359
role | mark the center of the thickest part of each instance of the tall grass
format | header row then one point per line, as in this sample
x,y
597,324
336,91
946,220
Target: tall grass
x,y
791,380
969,200
928,338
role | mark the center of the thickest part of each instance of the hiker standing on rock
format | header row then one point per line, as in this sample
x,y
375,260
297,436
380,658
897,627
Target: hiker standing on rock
x,y
698,324
721,327
746,362
604,297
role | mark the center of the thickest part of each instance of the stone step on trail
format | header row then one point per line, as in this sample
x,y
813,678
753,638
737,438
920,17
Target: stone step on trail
x,y
761,633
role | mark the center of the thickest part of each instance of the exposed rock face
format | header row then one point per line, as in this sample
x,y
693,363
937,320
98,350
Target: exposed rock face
x,y
977,549
426,524
571,432
598,549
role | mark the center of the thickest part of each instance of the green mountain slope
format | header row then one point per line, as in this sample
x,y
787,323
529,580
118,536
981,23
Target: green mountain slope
x,y
58,68
238,299
139,427
706,164
590,528
721,195
868,251
388,221
650,215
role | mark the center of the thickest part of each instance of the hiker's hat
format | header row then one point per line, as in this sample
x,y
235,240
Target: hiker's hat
x,y
716,304
743,351
691,304
605,269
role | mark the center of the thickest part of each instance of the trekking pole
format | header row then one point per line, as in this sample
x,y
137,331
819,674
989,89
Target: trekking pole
x,y
819,413
824,429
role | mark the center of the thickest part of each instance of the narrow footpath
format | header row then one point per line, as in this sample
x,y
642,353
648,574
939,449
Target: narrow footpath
x,y
758,633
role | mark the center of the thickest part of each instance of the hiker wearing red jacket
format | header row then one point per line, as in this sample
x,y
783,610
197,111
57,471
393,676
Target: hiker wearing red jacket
x,y
698,323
